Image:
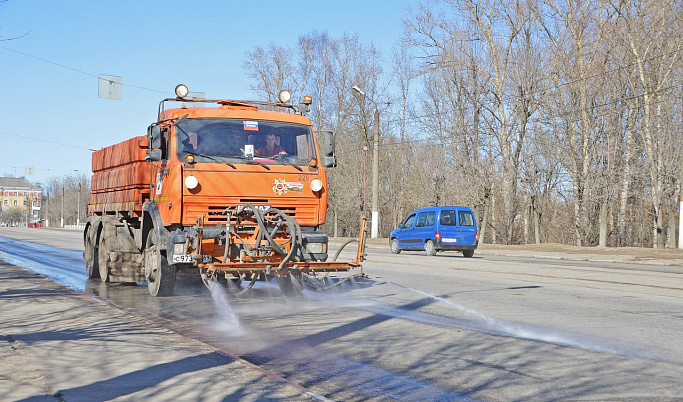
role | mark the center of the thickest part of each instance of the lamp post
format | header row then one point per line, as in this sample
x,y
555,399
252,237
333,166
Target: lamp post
x,y
374,231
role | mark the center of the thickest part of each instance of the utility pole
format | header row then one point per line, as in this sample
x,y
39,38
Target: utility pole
x,y
374,232
78,210
374,228
62,216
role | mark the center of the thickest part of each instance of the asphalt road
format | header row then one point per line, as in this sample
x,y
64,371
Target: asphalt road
x,y
490,328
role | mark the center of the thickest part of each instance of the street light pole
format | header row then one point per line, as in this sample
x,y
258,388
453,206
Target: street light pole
x,y
374,228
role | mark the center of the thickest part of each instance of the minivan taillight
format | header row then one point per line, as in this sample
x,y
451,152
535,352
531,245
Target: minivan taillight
x,y
476,236
437,235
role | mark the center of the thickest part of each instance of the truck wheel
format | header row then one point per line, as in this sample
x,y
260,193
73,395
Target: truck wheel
x,y
287,285
91,257
429,248
160,275
394,247
467,253
103,259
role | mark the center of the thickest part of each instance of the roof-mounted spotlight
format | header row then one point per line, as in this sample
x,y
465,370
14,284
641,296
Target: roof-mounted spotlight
x,y
181,91
285,96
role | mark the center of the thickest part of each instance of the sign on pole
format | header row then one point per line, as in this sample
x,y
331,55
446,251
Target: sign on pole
x,y
110,87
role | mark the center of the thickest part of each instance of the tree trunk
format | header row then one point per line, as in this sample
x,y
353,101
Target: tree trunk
x,y
336,224
623,196
671,231
493,220
527,212
537,226
603,223
485,216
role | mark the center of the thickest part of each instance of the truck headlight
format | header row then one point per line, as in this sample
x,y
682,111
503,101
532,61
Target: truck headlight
x,y
316,185
285,96
181,91
191,182
316,248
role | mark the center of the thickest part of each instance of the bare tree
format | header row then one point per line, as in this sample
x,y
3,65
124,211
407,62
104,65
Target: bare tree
x,y
651,33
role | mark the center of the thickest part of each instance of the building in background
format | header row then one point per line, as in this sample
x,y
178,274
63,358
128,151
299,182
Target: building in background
x,y
20,202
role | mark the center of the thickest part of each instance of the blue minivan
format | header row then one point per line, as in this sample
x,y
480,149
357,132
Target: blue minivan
x,y
437,229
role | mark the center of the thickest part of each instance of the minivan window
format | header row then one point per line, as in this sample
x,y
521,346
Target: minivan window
x,y
408,222
447,218
466,218
425,219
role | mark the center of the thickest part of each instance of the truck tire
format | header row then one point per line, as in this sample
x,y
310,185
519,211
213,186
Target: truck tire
x,y
90,255
467,253
429,248
103,258
394,247
159,274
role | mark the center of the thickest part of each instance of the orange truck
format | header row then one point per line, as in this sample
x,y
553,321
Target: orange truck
x,y
231,191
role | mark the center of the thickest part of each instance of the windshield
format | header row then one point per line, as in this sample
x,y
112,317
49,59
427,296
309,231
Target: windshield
x,y
243,141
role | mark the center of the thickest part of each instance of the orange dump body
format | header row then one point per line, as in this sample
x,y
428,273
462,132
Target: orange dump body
x,y
121,177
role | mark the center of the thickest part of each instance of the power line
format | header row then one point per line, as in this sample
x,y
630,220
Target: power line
x,y
48,169
77,70
47,141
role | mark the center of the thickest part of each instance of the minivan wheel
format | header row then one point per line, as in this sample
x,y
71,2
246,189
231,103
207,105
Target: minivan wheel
x,y
467,253
394,247
429,248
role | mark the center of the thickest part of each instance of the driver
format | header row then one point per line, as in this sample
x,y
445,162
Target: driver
x,y
270,148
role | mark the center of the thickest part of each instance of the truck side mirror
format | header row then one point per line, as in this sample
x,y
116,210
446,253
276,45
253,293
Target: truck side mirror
x,y
154,136
328,159
153,155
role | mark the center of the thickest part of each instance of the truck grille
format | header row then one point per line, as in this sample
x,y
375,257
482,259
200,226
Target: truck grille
x,y
303,211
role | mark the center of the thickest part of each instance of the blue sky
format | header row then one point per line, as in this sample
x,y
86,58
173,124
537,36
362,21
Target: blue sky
x,y
51,95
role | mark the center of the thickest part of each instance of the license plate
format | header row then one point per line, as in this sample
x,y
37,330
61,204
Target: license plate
x,y
449,240
182,258
187,258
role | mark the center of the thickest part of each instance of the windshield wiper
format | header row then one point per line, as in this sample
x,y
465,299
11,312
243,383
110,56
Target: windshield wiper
x,y
281,160
180,120
215,159
249,161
